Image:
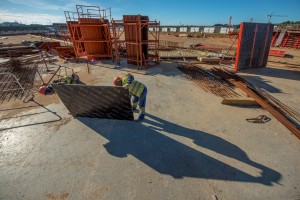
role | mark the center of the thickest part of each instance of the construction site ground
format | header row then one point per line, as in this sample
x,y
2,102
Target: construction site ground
x,y
190,146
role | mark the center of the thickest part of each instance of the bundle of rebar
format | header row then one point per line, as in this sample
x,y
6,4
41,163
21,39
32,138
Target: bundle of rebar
x,y
208,82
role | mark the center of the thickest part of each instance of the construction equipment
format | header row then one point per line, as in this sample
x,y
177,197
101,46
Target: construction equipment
x,y
260,119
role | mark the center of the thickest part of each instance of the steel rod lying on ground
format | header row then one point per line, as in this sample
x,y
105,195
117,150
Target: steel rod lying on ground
x,y
208,81
288,117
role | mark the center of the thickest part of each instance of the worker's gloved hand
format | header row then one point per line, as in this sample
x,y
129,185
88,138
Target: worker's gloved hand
x,y
126,86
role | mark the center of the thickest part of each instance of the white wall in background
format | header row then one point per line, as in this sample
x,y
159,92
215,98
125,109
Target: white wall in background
x,y
209,29
183,29
194,29
172,29
224,30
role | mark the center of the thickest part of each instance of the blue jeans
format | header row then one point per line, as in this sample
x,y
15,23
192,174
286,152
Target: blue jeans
x,y
140,100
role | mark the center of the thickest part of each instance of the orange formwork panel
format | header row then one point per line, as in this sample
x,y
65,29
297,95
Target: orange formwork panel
x,y
95,37
277,53
140,44
90,32
74,32
134,37
291,39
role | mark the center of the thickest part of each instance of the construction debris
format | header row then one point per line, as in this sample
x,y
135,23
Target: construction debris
x,y
17,51
65,52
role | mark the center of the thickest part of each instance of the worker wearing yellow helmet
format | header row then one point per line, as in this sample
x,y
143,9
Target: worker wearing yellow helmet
x,y
137,90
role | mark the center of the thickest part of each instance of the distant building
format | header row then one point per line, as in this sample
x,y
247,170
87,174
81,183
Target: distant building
x,y
59,26
9,24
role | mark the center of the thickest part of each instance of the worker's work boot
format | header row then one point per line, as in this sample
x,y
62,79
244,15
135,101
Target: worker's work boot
x,y
141,117
142,114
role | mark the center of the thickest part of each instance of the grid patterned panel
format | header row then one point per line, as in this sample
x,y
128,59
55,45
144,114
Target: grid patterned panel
x,y
96,101
254,45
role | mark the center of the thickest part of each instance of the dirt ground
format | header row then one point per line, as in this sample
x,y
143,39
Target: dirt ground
x,y
190,146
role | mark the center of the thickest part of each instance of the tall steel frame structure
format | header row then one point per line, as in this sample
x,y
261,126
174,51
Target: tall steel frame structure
x,y
89,29
132,35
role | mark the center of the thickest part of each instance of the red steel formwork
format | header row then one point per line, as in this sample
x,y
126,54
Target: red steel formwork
x,y
291,39
132,34
253,45
275,37
90,32
74,31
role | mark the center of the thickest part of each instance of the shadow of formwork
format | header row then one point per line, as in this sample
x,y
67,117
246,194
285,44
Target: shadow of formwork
x,y
150,143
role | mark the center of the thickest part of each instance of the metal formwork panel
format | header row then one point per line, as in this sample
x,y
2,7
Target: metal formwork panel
x,y
253,45
92,33
95,101
136,32
132,39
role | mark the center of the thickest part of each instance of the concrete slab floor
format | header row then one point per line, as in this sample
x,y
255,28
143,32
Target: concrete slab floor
x,y
189,147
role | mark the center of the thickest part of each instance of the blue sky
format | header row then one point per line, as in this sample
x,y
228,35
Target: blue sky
x,y
168,12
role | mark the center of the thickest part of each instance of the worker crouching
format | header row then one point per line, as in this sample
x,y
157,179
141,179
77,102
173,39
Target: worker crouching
x,y
49,90
137,90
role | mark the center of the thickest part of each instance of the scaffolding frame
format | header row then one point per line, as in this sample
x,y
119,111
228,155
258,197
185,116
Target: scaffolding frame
x,y
120,45
89,30
84,11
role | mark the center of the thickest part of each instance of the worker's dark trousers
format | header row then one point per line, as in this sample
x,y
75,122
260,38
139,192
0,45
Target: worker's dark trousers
x,y
140,100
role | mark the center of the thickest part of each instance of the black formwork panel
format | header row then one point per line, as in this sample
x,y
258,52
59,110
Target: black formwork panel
x,y
95,101
253,45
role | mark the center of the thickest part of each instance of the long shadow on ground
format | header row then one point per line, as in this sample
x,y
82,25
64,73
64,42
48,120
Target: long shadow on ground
x,y
168,156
